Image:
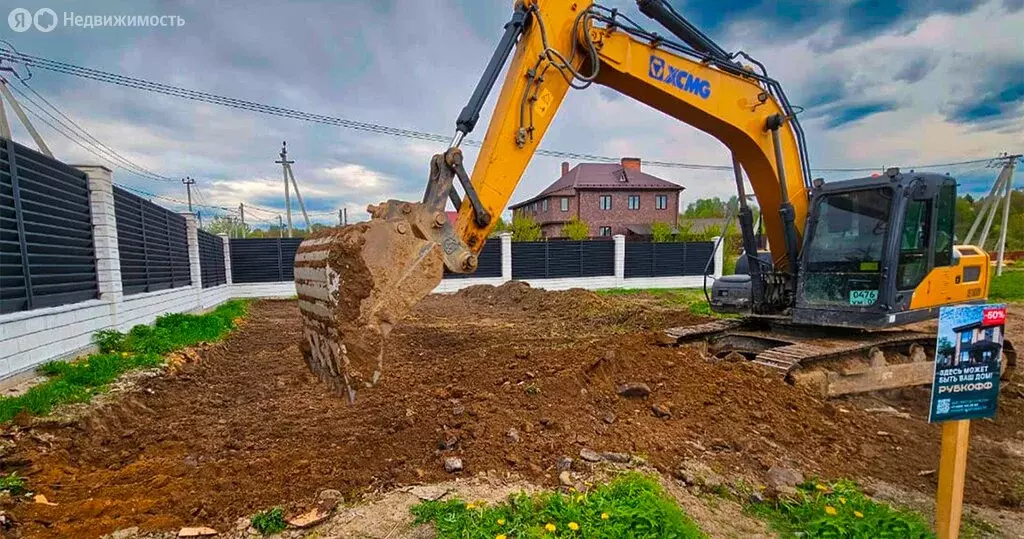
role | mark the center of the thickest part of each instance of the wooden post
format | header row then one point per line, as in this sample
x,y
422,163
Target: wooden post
x,y
952,467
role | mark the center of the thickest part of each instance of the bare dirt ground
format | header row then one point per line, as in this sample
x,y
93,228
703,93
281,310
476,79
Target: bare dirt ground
x,y
248,427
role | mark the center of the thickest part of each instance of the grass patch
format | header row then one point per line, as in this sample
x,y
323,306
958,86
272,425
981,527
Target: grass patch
x,y
142,347
633,506
839,510
270,521
12,483
1007,287
691,298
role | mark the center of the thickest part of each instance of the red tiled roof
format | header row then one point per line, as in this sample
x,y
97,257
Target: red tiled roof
x,y
602,176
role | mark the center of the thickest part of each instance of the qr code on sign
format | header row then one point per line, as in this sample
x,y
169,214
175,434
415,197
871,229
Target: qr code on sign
x,y
942,406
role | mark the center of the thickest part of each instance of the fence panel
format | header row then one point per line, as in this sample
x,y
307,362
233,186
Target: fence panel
x,y
211,259
46,243
153,245
488,263
560,259
263,260
647,259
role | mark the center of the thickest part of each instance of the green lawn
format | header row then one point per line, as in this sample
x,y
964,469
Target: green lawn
x,y
692,298
631,506
1007,287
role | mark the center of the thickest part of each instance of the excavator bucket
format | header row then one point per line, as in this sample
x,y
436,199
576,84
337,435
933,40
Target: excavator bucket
x,y
355,283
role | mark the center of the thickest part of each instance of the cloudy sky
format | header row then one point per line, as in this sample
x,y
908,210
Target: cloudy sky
x,y
884,83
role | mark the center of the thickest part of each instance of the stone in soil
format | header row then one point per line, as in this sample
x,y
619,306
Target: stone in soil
x,y
634,390
200,531
620,458
590,455
780,476
512,436
661,410
452,464
608,417
565,478
564,463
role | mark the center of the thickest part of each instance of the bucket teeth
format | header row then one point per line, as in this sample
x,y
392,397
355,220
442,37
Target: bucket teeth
x,y
354,284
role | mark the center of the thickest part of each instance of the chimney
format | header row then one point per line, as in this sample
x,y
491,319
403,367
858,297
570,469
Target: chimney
x,y
565,168
631,163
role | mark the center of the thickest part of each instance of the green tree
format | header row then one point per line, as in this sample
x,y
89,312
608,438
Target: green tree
x,y
524,228
946,348
576,229
662,232
227,225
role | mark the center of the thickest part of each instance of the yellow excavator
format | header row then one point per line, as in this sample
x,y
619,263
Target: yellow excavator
x,y
849,261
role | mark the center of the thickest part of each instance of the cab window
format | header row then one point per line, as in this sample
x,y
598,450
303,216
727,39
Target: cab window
x,y
914,242
946,209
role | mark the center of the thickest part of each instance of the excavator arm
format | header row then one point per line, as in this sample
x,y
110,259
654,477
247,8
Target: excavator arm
x,y
354,283
577,43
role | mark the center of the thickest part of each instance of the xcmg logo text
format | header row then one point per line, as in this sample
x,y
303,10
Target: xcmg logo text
x,y
686,82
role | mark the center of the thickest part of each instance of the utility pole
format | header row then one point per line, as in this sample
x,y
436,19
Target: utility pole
x,y
1000,193
280,227
341,218
5,127
284,162
199,216
241,211
344,215
189,182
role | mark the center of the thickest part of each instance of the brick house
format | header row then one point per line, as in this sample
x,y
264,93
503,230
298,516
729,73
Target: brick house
x,y
613,198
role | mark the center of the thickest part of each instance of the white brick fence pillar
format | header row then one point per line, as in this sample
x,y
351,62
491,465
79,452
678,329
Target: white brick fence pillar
x,y
719,256
506,256
195,267
620,259
104,232
227,257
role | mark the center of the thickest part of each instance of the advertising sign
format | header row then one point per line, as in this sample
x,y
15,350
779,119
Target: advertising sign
x,y
968,360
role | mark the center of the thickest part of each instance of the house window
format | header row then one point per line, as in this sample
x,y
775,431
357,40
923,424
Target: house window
x,y
565,203
605,230
544,205
660,202
634,202
533,207
606,202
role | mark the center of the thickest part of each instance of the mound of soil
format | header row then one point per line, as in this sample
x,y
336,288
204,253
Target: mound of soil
x,y
248,427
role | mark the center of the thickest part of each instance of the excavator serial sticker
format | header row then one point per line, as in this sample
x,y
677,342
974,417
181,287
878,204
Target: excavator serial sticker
x,y
544,100
863,297
686,82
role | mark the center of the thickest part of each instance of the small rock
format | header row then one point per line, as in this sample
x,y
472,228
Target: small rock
x,y
590,455
620,458
522,354
310,518
547,421
734,357
458,410
242,524
662,411
131,532
925,473
41,499
565,479
200,531
755,497
634,390
512,436
564,463
698,474
452,464
328,499
608,417
779,476
450,442
786,492
419,472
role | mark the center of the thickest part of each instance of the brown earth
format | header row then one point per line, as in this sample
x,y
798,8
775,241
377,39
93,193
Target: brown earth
x,y
248,427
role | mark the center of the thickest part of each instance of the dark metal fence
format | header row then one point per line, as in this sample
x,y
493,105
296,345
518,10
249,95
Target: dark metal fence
x,y
46,244
488,263
211,259
153,245
551,259
645,259
263,260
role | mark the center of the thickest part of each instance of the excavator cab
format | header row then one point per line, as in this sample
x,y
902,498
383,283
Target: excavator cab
x,y
879,251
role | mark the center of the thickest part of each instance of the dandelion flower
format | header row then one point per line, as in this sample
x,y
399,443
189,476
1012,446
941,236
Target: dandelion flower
x,y
501,522
604,516
124,354
858,514
573,526
821,487
550,527
830,510
579,498
470,506
499,536
842,500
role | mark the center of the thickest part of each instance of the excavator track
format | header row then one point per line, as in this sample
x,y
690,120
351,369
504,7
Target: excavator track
x,y
835,361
